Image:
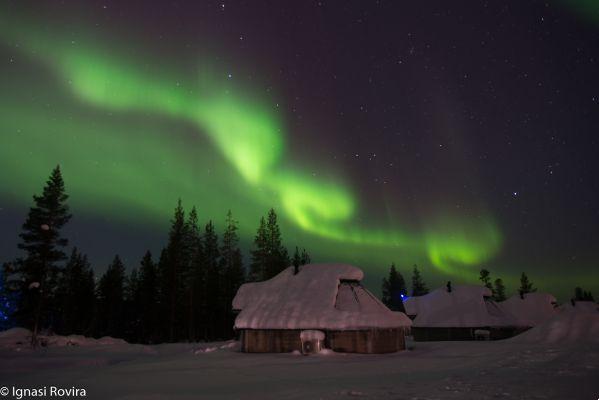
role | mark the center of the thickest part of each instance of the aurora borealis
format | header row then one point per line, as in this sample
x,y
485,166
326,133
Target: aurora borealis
x,y
137,121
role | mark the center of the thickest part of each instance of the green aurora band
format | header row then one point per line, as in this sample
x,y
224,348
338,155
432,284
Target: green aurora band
x,y
137,174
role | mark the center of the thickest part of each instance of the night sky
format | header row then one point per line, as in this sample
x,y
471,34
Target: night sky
x,y
452,135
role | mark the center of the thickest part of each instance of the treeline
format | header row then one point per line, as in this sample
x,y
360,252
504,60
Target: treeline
x,y
183,295
394,288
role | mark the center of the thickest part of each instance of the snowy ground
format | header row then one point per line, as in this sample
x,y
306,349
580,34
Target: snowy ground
x,y
433,370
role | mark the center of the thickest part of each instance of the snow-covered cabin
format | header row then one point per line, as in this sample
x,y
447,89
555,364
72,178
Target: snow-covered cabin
x,y
458,315
530,309
321,297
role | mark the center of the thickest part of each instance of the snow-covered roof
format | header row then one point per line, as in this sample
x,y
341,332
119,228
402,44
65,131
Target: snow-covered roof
x,y
411,305
531,310
464,306
320,296
588,306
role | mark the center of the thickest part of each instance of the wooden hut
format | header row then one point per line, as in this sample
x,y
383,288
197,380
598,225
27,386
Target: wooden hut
x,y
320,297
464,313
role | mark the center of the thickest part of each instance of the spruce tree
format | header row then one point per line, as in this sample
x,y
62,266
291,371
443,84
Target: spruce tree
x,y
525,286
213,284
171,275
305,258
111,291
194,274
192,239
133,305
232,268
582,295
277,257
499,290
297,261
588,296
259,254
76,296
418,286
449,288
394,287
148,297
43,245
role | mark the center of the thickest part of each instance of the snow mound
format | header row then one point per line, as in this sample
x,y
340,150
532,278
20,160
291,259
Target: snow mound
x,y
464,306
206,350
568,326
108,341
319,296
532,310
212,347
15,337
19,337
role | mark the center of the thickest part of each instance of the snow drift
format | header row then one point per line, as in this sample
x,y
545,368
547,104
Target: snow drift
x,y
20,337
569,325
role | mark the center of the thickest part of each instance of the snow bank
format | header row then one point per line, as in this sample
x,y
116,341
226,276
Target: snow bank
x,y
19,337
532,310
212,347
320,296
464,306
15,337
569,325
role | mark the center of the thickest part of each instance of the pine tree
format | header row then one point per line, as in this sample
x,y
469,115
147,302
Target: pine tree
x,y
418,286
305,258
148,297
213,284
499,290
394,288
111,301
277,257
259,254
173,266
232,268
43,246
76,296
525,286
297,261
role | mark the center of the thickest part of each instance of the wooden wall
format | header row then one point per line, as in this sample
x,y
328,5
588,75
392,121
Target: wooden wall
x,y
270,340
367,341
357,341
